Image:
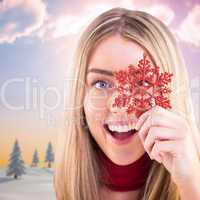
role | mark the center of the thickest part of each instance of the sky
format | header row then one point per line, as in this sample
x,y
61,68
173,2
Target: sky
x,y
37,43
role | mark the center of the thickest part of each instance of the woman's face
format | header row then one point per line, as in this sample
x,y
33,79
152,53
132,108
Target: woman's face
x,y
112,54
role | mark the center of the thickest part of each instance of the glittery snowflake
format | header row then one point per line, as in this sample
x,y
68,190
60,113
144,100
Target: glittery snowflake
x,y
142,87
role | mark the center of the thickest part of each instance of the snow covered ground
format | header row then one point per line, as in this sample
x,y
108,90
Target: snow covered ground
x,y
37,184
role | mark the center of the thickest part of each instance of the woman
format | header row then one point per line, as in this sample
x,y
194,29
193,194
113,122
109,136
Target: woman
x,y
156,156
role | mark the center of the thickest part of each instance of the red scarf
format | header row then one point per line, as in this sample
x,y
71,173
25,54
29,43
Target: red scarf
x,y
124,177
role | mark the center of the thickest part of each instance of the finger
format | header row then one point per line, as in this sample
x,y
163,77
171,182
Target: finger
x,y
141,122
156,121
155,154
160,112
170,146
160,134
143,117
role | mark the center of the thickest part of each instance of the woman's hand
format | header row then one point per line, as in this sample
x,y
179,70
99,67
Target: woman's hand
x,y
167,138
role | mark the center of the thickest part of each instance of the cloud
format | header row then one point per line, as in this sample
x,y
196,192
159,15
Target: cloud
x,y
154,7
20,18
73,23
70,24
189,29
162,12
25,18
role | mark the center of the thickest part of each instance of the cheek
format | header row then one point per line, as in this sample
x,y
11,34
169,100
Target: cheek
x,y
95,107
96,101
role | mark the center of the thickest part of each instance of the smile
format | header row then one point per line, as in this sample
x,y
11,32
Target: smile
x,y
120,132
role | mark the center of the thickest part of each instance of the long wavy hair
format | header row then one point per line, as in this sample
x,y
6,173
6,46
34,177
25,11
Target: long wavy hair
x,y
76,172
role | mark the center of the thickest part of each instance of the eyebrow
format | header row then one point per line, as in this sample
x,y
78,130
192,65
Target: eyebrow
x,y
100,71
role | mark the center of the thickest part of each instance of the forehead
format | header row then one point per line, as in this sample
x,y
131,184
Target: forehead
x,y
115,53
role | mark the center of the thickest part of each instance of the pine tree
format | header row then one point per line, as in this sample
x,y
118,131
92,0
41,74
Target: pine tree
x,y
16,164
49,158
35,159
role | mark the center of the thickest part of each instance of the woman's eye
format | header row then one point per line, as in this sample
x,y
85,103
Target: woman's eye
x,y
143,83
101,84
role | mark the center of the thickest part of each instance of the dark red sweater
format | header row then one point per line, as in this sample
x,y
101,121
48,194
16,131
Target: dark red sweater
x,y
124,177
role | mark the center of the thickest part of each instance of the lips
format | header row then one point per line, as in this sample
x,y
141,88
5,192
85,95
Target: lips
x,y
120,135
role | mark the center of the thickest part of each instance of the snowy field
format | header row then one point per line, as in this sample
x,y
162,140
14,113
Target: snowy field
x,y
37,184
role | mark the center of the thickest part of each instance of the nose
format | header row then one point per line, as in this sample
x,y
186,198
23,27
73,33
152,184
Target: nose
x,y
111,101
121,111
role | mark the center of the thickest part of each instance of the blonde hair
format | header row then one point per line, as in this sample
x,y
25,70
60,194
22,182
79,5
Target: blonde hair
x,y
77,174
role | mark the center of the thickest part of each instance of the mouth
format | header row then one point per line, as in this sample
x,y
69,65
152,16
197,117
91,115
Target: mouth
x,y
120,133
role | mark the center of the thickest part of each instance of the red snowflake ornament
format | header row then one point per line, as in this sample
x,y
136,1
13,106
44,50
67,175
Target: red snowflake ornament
x,y
142,87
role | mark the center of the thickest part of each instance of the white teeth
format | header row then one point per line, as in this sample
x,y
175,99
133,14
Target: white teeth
x,y
119,128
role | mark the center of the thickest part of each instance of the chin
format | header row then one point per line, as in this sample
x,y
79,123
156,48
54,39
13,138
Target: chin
x,y
124,156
